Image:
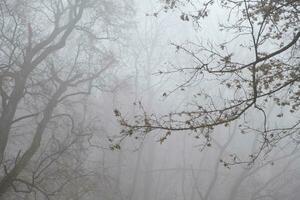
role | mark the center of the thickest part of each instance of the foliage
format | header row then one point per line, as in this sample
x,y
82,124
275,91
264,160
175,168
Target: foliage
x,y
265,85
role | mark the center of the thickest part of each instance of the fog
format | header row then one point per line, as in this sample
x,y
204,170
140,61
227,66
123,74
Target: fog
x,y
149,100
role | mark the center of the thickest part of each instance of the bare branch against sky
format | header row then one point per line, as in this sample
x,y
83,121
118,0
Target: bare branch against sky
x,y
149,99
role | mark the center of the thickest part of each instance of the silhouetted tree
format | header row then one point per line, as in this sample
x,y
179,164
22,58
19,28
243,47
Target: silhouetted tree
x,y
51,54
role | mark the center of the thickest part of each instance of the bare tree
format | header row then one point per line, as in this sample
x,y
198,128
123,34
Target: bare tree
x,y
51,54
